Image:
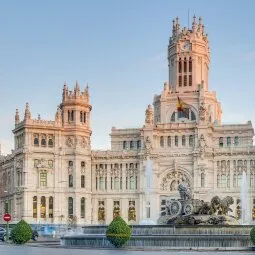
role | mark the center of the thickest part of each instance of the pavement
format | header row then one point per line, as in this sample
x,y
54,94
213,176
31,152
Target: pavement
x,y
10,249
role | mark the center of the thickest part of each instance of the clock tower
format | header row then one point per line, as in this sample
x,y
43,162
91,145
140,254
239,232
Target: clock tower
x,y
188,57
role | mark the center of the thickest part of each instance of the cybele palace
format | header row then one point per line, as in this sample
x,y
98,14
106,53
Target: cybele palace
x,y
52,175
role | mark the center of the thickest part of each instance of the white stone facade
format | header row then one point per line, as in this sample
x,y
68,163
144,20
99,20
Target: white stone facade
x,y
53,175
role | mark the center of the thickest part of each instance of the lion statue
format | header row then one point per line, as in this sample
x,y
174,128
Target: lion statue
x,y
225,204
217,206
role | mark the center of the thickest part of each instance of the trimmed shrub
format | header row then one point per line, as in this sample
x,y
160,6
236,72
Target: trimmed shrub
x,y
21,233
252,234
118,232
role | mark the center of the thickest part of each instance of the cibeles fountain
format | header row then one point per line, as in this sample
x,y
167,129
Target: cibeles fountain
x,y
185,223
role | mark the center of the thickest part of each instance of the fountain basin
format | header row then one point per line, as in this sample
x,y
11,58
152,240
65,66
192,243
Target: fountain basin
x,y
168,237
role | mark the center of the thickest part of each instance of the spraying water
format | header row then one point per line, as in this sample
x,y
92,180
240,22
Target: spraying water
x,y
149,201
245,210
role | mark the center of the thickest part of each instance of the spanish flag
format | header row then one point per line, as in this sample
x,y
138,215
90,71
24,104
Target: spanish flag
x,y
181,106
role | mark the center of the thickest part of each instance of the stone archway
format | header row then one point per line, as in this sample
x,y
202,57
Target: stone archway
x,y
172,179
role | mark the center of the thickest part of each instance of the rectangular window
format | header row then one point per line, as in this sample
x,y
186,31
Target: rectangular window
x,y
176,141
43,179
228,141
83,181
185,80
180,80
83,208
190,80
70,181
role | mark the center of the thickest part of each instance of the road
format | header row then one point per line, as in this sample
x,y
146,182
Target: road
x,y
26,250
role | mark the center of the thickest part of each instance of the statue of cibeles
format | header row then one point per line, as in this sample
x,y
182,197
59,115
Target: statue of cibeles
x,y
184,191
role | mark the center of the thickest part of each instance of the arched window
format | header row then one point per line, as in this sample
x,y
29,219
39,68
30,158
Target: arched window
x,y
43,141
72,115
124,145
83,181
161,141
82,207
169,141
81,116
239,180
236,141
228,141
202,179
193,116
173,117
176,141
36,141
35,207
185,66
223,181
70,180
50,207
131,183
234,181
183,140
82,163
84,117
190,65
116,183
131,145
180,65
101,183
218,180
221,141
70,207
191,141
138,144
43,207
50,142
69,116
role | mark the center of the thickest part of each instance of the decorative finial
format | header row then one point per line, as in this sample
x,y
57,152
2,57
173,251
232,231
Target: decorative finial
x,y
27,112
200,20
39,117
17,119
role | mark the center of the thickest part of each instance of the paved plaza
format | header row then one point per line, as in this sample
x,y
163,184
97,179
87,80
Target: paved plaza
x,y
26,250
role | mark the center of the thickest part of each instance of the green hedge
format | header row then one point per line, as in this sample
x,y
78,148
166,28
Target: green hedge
x,y
21,233
252,234
118,232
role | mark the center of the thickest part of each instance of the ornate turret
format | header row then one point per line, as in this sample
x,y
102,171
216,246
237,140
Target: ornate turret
x,y
17,118
188,57
75,108
77,89
58,116
27,112
149,116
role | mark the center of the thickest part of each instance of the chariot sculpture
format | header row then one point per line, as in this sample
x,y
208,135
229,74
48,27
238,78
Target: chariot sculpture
x,y
195,211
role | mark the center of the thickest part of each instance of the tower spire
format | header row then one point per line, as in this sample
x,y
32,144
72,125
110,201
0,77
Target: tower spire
x,y
27,112
17,119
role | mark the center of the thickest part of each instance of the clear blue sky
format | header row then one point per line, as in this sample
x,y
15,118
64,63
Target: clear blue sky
x,y
120,49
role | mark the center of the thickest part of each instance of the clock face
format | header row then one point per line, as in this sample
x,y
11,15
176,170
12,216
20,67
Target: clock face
x,y
186,46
